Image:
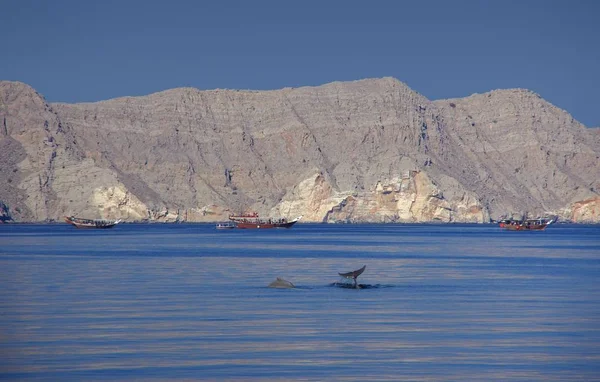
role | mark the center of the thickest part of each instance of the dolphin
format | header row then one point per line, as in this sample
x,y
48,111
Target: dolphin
x,y
281,284
354,275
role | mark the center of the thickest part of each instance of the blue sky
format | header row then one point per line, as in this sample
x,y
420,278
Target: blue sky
x,y
76,51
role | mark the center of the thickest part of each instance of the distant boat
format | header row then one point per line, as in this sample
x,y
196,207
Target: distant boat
x,y
228,225
504,222
253,221
91,223
539,224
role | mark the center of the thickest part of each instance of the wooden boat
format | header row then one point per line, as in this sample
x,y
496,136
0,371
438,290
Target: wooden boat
x,y
539,224
91,223
228,225
253,221
504,222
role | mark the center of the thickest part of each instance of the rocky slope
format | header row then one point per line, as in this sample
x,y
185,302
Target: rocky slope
x,y
369,150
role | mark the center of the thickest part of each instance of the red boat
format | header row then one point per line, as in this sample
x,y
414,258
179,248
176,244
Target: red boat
x,y
525,225
253,221
502,223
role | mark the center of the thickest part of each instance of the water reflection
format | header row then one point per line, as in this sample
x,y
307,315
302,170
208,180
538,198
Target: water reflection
x,y
460,303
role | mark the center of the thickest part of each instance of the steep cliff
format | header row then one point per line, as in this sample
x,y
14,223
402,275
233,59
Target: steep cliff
x,y
370,150
521,153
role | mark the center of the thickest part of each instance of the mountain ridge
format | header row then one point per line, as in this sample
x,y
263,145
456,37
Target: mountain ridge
x,y
365,150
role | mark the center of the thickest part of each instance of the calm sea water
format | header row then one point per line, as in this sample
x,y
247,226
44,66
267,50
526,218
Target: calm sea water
x,y
446,303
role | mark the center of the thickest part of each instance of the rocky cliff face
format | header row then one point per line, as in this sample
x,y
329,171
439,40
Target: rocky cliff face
x,y
370,150
4,213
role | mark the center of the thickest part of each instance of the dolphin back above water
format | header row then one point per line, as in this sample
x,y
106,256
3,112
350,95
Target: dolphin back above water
x,y
353,275
281,283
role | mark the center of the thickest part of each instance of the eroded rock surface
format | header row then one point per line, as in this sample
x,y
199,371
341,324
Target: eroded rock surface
x,y
362,151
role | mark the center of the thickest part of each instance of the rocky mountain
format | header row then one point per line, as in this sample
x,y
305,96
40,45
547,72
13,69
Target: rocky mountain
x,y
364,151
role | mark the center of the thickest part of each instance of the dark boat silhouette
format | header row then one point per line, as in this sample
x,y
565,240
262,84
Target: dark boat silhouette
x,y
253,221
539,224
91,223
